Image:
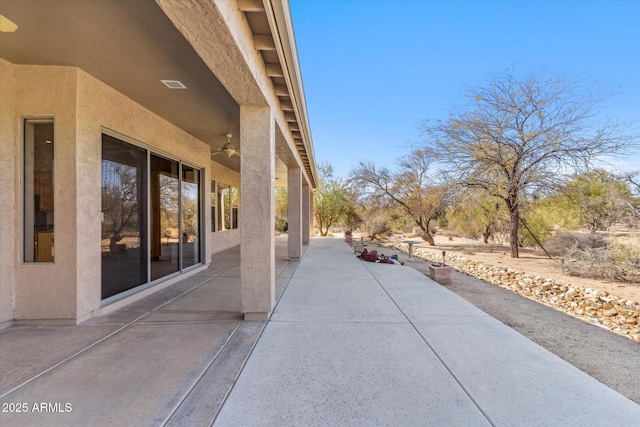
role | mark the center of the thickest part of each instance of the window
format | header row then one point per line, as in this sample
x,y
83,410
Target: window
x,y
233,197
38,196
227,207
214,213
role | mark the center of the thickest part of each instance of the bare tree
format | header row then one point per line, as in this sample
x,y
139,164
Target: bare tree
x,y
634,179
519,136
413,188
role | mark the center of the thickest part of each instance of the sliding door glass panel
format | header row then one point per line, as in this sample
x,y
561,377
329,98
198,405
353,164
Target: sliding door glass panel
x,y
124,251
190,216
165,229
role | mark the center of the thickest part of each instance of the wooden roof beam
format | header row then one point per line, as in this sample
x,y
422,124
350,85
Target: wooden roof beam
x,y
261,42
290,117
281,90
274,70
250,6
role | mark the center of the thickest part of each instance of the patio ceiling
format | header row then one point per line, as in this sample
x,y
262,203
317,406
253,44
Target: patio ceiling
x,y
132,46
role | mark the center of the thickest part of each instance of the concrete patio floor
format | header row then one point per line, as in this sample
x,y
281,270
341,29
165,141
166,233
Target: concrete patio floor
x,y
349,343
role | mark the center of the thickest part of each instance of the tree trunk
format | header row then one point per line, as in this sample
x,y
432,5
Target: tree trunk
x,y
486,234
427,237
513,233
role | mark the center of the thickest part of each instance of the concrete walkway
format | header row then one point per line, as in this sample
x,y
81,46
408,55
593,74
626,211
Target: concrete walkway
x,y
349,344
362,344
169,359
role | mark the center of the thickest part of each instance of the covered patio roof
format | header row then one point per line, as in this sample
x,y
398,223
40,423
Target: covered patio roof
x,y
133,46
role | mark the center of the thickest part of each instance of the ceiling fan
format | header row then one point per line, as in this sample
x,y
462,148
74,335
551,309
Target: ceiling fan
x,y
227,148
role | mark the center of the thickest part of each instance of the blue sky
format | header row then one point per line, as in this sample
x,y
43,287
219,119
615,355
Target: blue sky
x,y
374,70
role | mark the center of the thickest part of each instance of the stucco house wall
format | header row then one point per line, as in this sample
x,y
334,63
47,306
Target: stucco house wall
x,y
82,107
47,290
8,212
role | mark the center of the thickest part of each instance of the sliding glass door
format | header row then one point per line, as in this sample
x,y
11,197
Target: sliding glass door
x,y
150,216
190,216
124,216
165,215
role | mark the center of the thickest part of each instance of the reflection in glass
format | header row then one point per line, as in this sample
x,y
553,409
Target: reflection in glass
x,y
213,207
124,252
38,190
224,210
190,216
233,196
165,229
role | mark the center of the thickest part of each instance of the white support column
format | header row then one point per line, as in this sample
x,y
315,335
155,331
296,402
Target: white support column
x,y
294,215
257,216
305,213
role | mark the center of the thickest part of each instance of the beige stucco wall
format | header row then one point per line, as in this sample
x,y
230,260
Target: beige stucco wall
x,y
222,240
8,159
82,107
47,290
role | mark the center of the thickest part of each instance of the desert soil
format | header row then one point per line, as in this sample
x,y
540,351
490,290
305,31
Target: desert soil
x,y
534,262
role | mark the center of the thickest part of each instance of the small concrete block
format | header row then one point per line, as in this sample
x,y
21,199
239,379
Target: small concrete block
x,y
440,274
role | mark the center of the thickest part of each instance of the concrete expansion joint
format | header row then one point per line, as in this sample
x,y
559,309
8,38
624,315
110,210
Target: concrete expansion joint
x,y
442,362
202,374
103,339
235,379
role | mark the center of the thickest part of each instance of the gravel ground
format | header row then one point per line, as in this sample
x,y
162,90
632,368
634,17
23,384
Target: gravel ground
x,y
611,359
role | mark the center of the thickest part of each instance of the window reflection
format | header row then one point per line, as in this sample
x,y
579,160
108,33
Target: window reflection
x,y
227,207
124,254
190,216
165,229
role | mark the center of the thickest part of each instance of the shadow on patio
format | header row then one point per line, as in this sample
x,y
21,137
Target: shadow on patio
x,y
144,364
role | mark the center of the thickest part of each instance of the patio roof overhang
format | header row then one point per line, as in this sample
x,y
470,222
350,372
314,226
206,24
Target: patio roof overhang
x,y
133,45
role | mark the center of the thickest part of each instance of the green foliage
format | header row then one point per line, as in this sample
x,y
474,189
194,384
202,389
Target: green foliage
x,y
600,199
281,204
281,225
331,200
539,224
400,221
477,215
377,227
352,218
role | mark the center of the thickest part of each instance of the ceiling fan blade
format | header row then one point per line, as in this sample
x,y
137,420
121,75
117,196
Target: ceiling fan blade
x,y
215,154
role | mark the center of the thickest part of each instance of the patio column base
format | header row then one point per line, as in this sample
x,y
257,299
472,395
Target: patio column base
x,y
257,317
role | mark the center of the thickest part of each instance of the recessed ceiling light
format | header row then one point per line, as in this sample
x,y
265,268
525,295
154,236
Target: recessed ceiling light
x,y
6,26
173,84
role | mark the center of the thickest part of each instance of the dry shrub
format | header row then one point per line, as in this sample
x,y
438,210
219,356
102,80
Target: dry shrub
x,y
377,227
564,244
594,256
